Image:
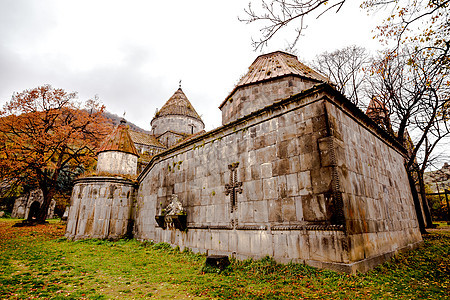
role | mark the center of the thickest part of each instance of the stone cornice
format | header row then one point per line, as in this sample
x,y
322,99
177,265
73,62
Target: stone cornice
x,y
102,179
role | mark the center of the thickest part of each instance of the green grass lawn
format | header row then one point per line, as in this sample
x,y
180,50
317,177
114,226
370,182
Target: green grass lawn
x,y
35,262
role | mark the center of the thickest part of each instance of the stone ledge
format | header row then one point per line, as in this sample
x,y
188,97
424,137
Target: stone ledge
x,y
102,179
251,227
220,227
308,227
273,228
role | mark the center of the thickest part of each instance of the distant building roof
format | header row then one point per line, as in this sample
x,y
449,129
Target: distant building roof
x,y
191,136
277,64
378,112
145,139
173,132
376,107
119,140
178,104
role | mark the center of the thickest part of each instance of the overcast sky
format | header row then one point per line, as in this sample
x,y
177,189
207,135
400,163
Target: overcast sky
x,y
132,54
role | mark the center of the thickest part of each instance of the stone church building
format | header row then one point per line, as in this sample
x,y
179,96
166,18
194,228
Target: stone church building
x,y
296,172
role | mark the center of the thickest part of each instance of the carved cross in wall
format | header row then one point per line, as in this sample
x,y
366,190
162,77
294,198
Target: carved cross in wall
x,y
234,186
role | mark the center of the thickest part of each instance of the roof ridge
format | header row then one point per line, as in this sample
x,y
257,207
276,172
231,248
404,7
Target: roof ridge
x,y
145,138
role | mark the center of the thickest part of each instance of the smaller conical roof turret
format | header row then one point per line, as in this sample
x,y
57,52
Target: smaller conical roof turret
x,y
118,155
379,113
376,108
119,140
271,77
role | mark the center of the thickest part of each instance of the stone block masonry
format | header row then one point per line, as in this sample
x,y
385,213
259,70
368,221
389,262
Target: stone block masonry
x,y
306,196
23,205
101,208
116,162
379,212
245,100
297,172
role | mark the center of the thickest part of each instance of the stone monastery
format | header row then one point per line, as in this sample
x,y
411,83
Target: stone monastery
x,y
296,172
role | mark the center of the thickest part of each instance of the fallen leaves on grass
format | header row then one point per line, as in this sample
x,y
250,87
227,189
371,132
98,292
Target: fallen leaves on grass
x,y
43,231
38,264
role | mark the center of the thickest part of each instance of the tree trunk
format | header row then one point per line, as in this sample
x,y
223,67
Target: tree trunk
x,y
426,207
412,184
42,216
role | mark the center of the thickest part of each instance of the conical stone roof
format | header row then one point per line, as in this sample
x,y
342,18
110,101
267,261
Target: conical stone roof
x,y
119,140
178,104
278,64
275,65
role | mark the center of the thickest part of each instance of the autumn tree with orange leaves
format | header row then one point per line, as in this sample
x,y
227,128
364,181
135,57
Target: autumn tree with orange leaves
x,y
44,134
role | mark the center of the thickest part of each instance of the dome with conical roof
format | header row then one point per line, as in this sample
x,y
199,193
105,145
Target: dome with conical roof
x,y
178,104
178,117
275,65
271,77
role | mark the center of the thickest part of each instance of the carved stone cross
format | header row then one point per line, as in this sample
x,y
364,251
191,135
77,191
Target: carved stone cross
x,y
234,186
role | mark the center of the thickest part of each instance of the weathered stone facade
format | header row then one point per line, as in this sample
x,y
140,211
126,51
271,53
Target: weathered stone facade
x,y
304,198
116,162
303,177
176,123
377,200
100,208
101,205
23,204
250,98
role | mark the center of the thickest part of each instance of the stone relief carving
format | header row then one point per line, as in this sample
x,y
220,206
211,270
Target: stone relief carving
x,y
234,186
173,216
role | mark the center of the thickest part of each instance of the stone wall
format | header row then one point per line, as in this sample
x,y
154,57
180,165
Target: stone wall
x,y
23,203
250,98
116,162
283,207
378,206
309,178
100,208
306,196
170,138
147,149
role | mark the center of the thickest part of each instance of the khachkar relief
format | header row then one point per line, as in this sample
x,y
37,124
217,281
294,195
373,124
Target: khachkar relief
x,y
232,189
